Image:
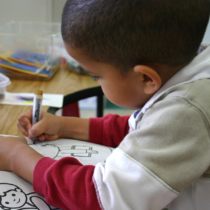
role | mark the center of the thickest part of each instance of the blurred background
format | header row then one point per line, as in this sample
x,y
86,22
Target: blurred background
x,y
51,11
47,11
31,10
40,11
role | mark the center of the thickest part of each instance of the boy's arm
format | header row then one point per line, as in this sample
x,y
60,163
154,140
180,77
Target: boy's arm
x,y
66,183
52,127
74,128
16,156
112,128
148,170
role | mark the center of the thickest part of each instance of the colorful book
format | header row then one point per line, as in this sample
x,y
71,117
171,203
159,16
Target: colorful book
x,y
24,68
28,65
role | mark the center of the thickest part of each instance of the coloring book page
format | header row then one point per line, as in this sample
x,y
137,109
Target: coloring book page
x,y
18,194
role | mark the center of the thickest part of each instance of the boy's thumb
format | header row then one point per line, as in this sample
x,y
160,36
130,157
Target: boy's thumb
x,y
37,129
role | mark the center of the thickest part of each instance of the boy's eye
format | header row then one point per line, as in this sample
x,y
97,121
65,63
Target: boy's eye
x,y
96,77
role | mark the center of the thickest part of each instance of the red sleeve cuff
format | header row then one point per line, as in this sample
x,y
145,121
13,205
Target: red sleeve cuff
x,y
66,183
39,182
96,130
109,130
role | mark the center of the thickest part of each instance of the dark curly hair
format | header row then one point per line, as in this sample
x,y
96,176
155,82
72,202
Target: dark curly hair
x,y
125,33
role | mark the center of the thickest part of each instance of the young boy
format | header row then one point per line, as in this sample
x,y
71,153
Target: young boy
x,y
146,56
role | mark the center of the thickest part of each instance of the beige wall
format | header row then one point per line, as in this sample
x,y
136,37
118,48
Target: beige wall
x,y
57,8
31,10
40,11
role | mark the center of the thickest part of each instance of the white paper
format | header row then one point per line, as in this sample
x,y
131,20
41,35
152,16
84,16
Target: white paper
x,y
26,99
87,153
17,193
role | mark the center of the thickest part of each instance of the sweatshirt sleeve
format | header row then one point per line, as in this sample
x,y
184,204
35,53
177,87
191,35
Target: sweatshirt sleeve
x,y
109,130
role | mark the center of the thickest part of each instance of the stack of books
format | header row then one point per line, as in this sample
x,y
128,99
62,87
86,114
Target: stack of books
x,y
28,65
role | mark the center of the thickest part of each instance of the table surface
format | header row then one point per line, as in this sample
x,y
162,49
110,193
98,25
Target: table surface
x,y
63,82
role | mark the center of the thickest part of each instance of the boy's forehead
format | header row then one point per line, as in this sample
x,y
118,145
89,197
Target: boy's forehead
x,y
75,53
88,64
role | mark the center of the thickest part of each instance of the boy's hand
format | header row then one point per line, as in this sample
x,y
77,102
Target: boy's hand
x,y
52,127
48,128
16,156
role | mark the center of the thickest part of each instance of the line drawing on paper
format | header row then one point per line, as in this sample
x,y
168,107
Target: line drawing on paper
x,y
13,197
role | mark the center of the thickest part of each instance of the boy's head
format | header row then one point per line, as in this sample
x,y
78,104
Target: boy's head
x,y
126,33
147,41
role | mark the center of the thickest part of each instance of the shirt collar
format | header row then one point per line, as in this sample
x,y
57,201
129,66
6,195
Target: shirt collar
x,y
198,68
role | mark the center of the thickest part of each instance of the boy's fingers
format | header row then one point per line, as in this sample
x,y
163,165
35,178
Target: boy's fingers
x,y
25,122
52,137
27,114
45,137
38,129
22,129
41,137
24,125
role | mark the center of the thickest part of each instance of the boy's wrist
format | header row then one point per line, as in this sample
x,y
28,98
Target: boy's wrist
x,y
23,160
61,123
8,151
74,127
13,156
66,127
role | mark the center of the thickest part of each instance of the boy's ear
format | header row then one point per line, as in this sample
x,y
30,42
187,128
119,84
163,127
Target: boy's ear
x,y
149,77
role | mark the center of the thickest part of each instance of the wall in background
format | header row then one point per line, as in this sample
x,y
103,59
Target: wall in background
x,y
41,11
25,10
57,9
31,10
